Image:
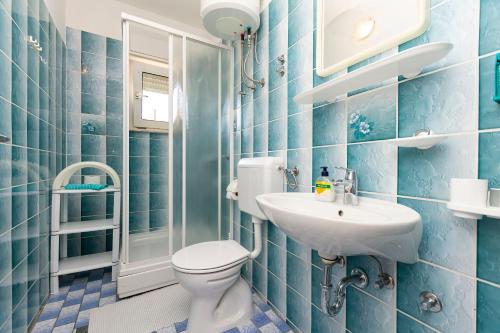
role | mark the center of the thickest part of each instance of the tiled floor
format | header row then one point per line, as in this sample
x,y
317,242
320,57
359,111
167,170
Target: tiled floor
x,y
264,320
69,310
78,293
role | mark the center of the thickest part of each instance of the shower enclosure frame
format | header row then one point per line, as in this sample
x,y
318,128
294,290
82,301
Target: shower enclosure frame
x,y
147,275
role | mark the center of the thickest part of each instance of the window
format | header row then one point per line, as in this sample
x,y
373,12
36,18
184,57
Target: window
x,y
150,104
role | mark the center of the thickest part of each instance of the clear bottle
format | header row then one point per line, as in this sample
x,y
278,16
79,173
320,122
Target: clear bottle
x,y
323,188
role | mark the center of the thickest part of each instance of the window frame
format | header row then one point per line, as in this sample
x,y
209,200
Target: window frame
x,y
139,66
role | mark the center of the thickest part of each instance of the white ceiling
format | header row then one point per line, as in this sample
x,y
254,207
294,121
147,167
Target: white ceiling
x,y
185,11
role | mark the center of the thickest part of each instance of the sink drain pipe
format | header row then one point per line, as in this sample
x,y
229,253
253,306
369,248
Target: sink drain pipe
x,y
358,278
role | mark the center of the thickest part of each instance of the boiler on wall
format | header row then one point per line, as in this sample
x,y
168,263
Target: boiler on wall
x,y
228,19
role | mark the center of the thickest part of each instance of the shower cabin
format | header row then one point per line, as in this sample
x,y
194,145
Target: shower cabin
x,y
177,123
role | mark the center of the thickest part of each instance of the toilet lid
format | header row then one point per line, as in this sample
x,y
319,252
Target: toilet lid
x,y
209,255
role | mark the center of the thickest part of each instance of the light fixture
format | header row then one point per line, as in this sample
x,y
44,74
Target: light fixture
x,y
364,28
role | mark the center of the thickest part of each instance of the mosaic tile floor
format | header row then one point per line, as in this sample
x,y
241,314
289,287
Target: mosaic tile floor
x,y
69,310
264,320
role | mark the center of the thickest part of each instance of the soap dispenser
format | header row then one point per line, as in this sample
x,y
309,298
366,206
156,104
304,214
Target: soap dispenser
x,y
323,189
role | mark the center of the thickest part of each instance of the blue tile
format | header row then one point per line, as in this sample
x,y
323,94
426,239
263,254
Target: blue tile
x,y
73,39
275,78
260,110
247,140
456,291
68,315
300,59
19,205
277,42
323,323
275,235
300,21
5,31
19,46
441,102
277,134
5,166
20,317
5,85
94,85
278,10
488,109
298,274
489,150
294,88
426,173
300,130
406,324
446,240
93,43
158,146
114,88
451,22
377,316
488,263
5,287
489,27
375,164
298,249
259,278
260,137
6,257
93,104
93,145
276,261
372,116
276,292
19,126
298,310
19,243
278,103
93,64
488,305
114,48
329,124
114,69
19,166
19,283
19,87
329,157
73,298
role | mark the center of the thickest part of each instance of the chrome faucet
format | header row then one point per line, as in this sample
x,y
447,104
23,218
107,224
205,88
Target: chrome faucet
x,y
350,186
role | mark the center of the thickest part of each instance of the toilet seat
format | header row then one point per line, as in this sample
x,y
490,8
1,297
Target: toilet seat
x,y
209,257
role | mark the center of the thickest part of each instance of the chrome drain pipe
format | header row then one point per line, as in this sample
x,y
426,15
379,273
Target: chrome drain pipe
x,y
358,278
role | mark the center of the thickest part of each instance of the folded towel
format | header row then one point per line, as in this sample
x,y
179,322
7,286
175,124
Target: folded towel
x,y
95,187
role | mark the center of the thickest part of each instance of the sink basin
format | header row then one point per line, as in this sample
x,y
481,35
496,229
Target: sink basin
x,y
374,227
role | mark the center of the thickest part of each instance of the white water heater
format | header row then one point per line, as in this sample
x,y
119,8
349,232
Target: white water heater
x,y
227,19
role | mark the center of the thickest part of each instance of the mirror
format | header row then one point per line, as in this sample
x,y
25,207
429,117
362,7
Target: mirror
x,y
350,31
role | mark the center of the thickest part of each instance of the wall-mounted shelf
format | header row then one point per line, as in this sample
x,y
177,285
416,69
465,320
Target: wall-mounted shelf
x,y
408,63
471,212
420,142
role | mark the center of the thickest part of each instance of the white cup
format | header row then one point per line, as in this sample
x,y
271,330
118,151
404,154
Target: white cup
x,y
469,192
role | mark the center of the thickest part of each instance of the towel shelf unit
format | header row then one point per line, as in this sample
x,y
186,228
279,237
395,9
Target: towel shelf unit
x,y
60,263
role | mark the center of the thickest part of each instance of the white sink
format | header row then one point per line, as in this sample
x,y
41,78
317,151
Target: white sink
x,y
373,227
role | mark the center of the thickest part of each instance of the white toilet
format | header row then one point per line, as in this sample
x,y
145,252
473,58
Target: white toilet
x,y
210,271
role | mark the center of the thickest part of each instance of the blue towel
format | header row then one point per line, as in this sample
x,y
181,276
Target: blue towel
x,y
95,187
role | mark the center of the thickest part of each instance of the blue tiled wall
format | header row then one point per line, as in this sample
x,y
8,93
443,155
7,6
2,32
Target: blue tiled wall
x,y
94,126
148,181
32,114
459,258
